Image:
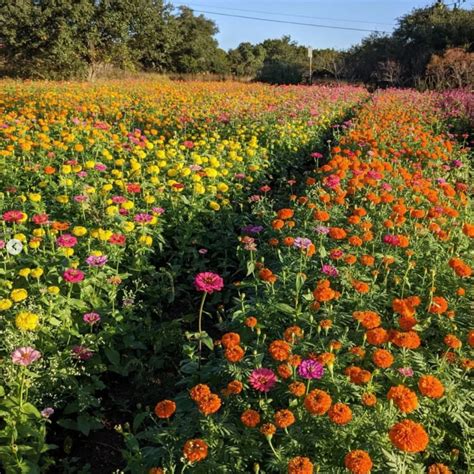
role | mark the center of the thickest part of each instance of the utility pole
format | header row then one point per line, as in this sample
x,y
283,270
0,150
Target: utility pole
x,y
310,56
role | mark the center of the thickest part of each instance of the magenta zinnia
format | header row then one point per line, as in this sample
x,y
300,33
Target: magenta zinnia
x,y
262,380
208,282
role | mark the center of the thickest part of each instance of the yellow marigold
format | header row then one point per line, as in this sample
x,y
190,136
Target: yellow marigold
x,y
26,321
18,295
5,304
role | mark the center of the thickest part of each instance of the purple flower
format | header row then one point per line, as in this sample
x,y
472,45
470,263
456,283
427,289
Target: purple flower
x,y
47,412
25,356
143,218
158,210
456,163
252,229
310,369
330,270
96,261
302,243
262,379
203,251
406,371
321,229
91,318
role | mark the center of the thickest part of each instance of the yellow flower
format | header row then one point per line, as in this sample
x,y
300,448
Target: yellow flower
x,y
79,231
24,272
19,294
67,252
20,237
37,272
146,240
34,197
214,205
5,304
53,290
128,226
26,321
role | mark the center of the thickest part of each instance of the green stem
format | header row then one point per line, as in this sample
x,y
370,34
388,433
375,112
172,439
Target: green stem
x,y
201,309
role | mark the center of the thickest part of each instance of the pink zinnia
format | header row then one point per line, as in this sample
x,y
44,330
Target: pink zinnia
x,y
208,282
25,356
13,216
91,318
66,240
262,380
73,275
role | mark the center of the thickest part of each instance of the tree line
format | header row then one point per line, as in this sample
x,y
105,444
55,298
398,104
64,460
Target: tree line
x,y
66,39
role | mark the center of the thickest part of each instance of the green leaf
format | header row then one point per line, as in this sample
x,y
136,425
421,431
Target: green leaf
x,y
138,420
112,355
30,409
284,308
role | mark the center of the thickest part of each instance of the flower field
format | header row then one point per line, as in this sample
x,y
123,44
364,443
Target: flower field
x,y
235,278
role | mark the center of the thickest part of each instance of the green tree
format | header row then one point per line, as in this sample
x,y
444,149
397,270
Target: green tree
x,y
246,60
285,61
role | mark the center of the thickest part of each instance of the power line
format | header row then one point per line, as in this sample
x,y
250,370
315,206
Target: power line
x,y
293,15
291,22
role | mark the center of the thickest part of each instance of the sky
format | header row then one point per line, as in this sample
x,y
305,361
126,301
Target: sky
x,y
380,15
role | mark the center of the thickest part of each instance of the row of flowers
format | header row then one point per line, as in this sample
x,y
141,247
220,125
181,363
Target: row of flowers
x,y
102,183
349,346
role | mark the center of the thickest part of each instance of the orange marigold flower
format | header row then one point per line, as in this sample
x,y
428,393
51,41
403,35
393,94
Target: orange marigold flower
x,y
367,260
368,319
439,469
439,305
407,322
298,389
317,402
234,353
355,241
430,386
360,286
452,341
326,358
285,214
268,429
284,418
250,418
195,450
230,339
404,398
165,409
300,465
156,470
409,436
267,275
358,462
322,216
461,268
408,340
337,233
369,399
350,259
468,229
357,375
288,241
251,322
293,333
199,392
377,336
279,350
325,324
278,224
273,242
284,371
324,292
340,414
382,358
294,360
470,337
210,404
406,306
233,388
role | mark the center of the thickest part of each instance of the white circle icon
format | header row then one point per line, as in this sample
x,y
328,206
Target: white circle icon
x,y
14,246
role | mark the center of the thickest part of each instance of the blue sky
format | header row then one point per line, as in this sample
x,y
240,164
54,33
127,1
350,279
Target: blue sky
x,y
365,14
